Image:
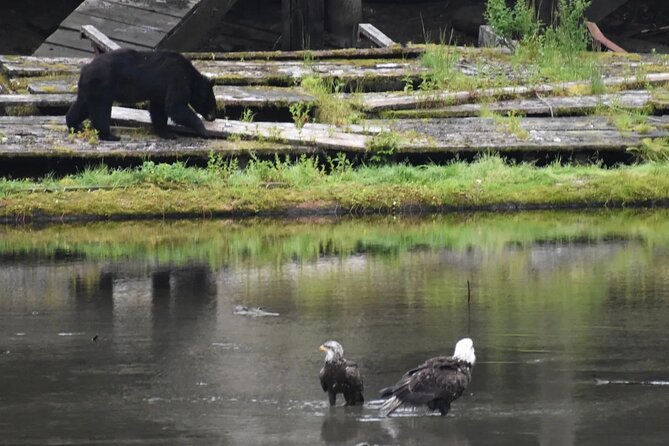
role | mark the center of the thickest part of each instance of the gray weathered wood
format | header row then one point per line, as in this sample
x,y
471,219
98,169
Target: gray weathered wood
x,y
376,102
59,92
550,105
488,38
331,138
182,24
303,24
38,100
375,35
46,136
26,136
100,41
230,72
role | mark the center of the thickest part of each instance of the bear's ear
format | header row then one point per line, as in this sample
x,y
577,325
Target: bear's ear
x,y
212,82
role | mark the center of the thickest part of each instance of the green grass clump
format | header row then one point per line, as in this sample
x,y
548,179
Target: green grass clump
x,y
330,107
519,22
654,150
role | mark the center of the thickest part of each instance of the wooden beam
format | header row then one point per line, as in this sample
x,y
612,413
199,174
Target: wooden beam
x,y
600,38
375,35
326,138
376,102
100,42
303,24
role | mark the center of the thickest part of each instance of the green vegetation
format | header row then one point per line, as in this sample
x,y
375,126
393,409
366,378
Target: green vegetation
x,y
247,115
331,108
271,242
221,187
519,22
510,123
300,113
652,150
557,51
87,133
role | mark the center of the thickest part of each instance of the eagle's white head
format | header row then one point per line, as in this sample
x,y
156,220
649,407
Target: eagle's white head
x,y
333,351
464,351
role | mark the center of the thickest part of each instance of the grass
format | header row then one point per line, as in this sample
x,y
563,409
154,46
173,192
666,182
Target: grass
x,y
330,107
160,189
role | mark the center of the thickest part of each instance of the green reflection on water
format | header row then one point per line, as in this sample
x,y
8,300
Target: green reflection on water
x,y
226,242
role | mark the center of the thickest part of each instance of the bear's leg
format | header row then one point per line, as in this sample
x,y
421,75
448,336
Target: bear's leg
x,y
176,102
183,115
159,119
76,114
100,114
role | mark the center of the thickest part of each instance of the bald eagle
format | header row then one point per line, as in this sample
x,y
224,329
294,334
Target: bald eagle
x,y
435,383
340,376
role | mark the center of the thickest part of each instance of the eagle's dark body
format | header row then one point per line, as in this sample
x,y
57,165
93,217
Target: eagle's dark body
x,y
339,375
436,383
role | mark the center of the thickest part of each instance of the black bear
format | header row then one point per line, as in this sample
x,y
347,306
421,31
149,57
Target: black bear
x,y
165,78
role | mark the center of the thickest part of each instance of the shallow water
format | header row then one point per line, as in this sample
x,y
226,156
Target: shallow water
x,y
556,298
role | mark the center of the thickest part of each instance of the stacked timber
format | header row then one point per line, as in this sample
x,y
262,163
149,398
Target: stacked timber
x,y
381,85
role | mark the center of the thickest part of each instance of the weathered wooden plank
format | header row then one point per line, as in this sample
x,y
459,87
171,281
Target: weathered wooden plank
x,y
99,39
121,33
478,125
39,100
175,8
375,35
53,86
237,72
72,39
59,92
48,49
551,105
334,139
27,136
376,102
396,52
50,139
109,11
261,97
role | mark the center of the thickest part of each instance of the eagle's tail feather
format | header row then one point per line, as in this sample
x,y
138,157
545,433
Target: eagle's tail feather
x,y
390,406
387,391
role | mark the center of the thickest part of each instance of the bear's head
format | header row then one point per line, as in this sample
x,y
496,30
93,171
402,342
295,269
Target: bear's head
x,y
203,100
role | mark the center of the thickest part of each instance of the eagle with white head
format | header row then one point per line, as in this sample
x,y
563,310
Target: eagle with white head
x,y
436,383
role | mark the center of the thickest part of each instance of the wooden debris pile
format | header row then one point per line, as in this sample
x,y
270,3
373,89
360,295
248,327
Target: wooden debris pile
x,y
382,85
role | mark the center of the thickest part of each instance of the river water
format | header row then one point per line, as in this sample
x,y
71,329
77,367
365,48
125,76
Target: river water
x,y
124,333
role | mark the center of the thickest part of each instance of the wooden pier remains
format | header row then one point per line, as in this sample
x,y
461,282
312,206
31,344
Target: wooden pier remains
x,y
141,24
542,120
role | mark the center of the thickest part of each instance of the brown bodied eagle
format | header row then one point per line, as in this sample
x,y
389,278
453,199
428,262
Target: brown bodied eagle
x,y
340,376
435,383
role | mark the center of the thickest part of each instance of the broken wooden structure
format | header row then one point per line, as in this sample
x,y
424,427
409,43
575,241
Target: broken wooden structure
x,y
541,120
140,24
184,24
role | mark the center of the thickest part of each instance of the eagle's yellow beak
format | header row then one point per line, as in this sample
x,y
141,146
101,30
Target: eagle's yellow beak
x,y
323,348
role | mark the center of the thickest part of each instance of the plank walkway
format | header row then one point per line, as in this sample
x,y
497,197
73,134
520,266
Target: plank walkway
x,y
39,136
139,24
418,122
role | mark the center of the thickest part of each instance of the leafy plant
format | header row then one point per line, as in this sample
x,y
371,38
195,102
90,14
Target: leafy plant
x,y
87,133
383,146
330,107
300,113
247,115
519,22
652,149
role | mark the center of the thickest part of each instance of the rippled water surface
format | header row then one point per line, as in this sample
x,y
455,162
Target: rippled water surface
x,y
122,333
